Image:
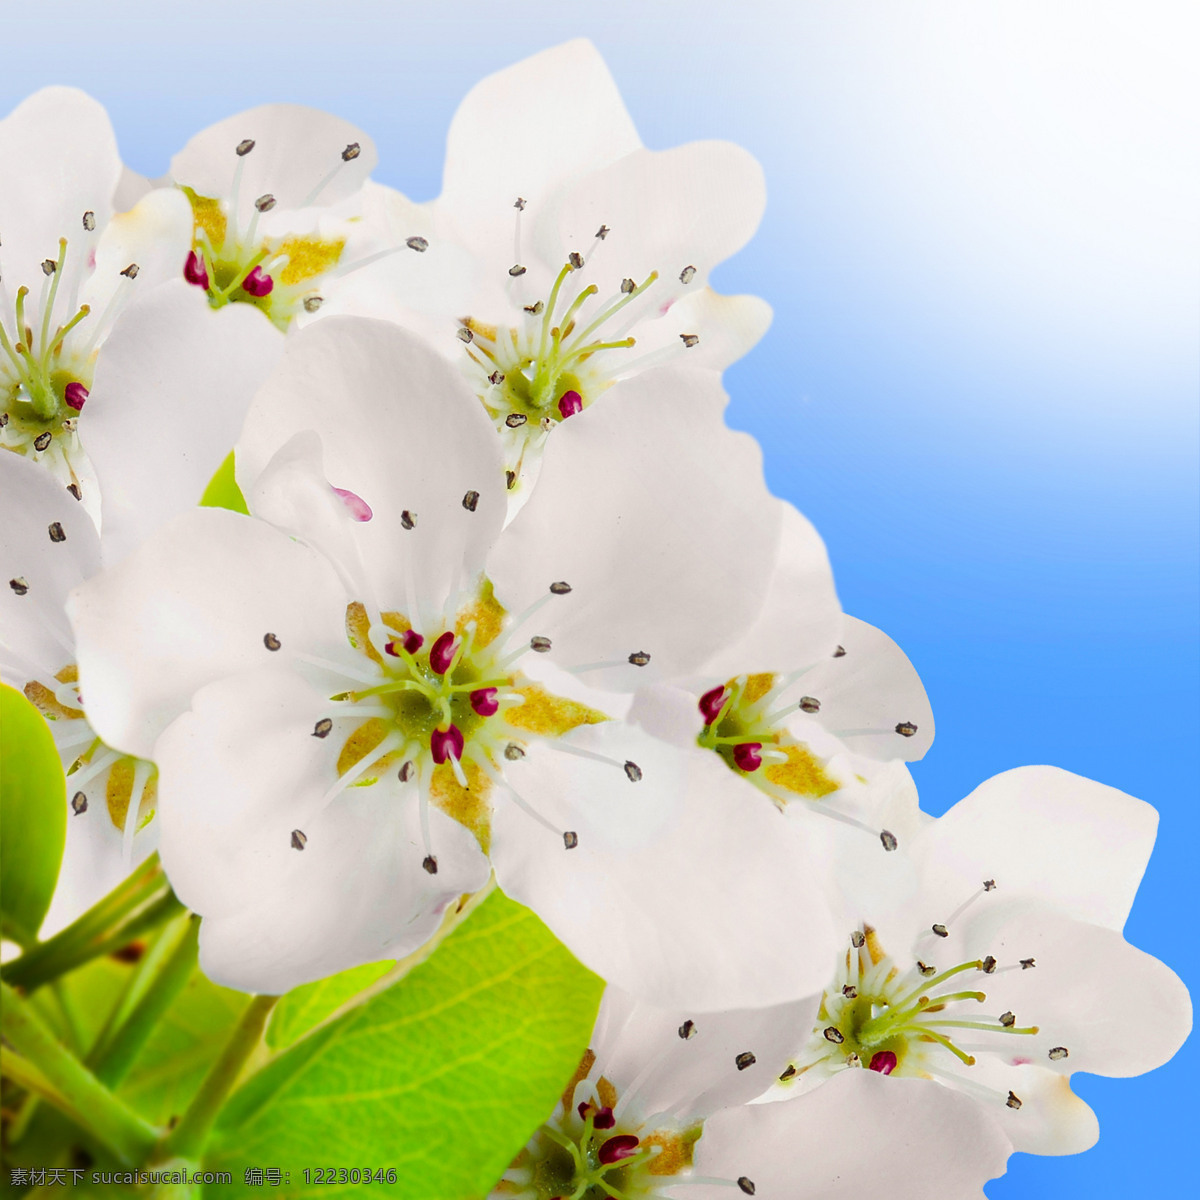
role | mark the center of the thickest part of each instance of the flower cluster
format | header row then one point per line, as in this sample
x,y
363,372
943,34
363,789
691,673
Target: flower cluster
x,y
507,600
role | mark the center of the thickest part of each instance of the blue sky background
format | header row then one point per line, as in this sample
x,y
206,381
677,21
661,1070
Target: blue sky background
x,y
981,248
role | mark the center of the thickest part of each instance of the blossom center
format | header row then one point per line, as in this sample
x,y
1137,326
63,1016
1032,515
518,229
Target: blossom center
x,y
898,1022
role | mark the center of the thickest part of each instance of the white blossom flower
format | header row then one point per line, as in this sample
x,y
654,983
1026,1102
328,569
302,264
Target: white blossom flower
x,y
283,218
365,711
593,253
659,1107
1007,969
68,267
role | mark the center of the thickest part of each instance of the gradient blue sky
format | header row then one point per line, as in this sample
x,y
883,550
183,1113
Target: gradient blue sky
x,y
981,383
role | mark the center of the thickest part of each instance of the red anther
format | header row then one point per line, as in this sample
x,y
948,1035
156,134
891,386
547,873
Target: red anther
x,y
747,755
711,704
75,395
360,510
194,270
483,701
570,403
602,1118
412,641
441,653
446,743
258,284
884,1062
624,1145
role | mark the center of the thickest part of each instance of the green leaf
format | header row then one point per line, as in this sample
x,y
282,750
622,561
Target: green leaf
x,y
442,1077
223,491
33,813
309,1005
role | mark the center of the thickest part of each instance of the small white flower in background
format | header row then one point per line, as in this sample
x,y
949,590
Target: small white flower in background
x,y
660,1107
1007,971
68,268
365,707
592,253
283,219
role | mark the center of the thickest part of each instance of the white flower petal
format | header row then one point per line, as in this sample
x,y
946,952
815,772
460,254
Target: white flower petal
x,y
399,428
296,150
239,774
60,161
683,889
1044,833
171,390
690,206
521,133
859,1135
195,603
38,571
694,1059
657,515
800,618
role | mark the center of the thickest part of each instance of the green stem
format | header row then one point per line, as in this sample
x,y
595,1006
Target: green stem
x,y
112,1061
43,1065
140,903
187,1140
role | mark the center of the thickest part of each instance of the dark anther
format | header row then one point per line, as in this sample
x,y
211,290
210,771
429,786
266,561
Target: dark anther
x,y
312,303
744,1060
534,308
515,420
689,339
1027,964
429,863
519,204
271,641
788,1073
560,589
496,378
633,771
407,770
73,488
570,839
575,259
833,1034
627,286
603,232
1013,1101
809,705
351,152
858,939
687,1030
419,244
471,501
510,479
408,520
850,991
926,971
131,271
906,729
323,728
299,839
49,266
56,532
516,270
639,658
687,274
89,220
840,652
265,202
42,441
465,335
941,930
747,1185
1008,1019
78,803
539,644
513,752
989,885
1057,1053
243,148
888,839
988,965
